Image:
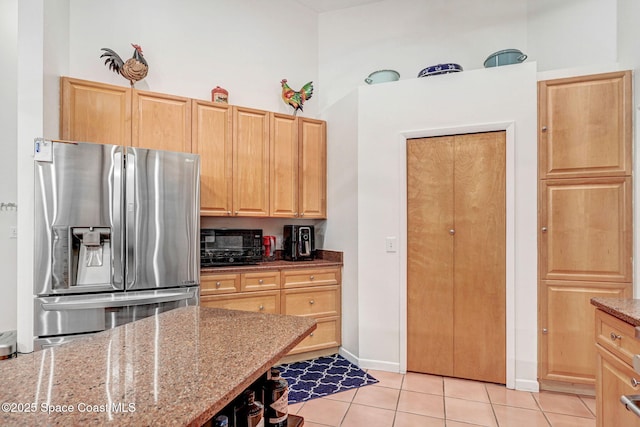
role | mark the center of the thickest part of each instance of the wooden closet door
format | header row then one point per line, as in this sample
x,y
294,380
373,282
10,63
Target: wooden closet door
x,y
479,350
430,255
456,211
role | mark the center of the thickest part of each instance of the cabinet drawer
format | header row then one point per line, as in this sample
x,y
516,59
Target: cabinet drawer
x,y
261,281
326,335
263,302
615,379
318,301
310,277
616,336
213,284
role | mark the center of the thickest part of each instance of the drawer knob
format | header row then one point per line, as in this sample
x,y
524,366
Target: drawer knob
x,y
261,307
311,277
312,302
634,382
615,336
261,281
311,334
218,284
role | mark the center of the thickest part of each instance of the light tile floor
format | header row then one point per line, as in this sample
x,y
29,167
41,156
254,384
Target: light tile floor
x,y
419,400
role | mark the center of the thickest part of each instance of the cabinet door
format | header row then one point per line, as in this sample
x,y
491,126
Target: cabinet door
x,y
566,316
585,229
161,122
212,140
250,162
284,166
585,126
313,168
615,379
95,112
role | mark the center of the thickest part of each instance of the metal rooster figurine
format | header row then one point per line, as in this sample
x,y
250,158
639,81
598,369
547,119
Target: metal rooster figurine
x,y
296,99
134,69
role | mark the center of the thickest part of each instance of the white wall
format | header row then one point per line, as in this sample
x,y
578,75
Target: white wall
x,y
409,35
571,33
192,46
8,174
454,103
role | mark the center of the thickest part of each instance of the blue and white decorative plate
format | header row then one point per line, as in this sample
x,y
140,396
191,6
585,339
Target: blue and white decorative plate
x,y
434,70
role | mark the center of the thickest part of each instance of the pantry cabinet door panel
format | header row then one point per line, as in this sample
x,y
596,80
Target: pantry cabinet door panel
x,y
567,318
586,229
585,126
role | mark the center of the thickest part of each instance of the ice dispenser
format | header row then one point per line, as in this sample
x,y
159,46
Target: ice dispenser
x,y
90,256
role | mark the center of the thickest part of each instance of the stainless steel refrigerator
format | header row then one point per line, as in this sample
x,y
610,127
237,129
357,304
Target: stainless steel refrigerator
x,y
116,237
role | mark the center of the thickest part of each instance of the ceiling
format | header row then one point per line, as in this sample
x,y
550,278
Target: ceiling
x,y
329,5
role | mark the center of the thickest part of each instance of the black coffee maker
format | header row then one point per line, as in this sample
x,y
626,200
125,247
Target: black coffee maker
x,y
298,242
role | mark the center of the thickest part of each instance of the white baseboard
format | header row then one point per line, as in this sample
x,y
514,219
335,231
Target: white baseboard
x,y
527,385
378,365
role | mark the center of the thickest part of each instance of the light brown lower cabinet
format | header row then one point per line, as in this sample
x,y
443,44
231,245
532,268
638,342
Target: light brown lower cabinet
x,y
313,292
616,344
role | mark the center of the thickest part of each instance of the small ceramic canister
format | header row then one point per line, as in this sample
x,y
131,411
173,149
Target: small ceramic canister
x,y
219,94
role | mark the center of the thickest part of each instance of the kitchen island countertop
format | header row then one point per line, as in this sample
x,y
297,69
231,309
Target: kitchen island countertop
x,y
176,368
625,309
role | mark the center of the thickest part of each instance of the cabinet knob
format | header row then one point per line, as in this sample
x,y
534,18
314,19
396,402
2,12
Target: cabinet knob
x,y
544,128
311,334
543,229
228,212
545,331
615,336
261,307
634,382
301,213
295,214
312,302
261,281
218,284
452,231
237,212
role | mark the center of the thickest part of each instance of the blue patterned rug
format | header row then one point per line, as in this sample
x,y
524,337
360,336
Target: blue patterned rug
x,y
322,376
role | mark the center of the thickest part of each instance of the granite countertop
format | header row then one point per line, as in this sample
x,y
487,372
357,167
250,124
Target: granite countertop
x,y
324,258
625,309
177,368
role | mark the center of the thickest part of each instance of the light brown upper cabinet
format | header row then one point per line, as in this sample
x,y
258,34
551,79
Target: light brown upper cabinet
x,y
212,139
298,167
109,114
585,126
250,168
95,112
161,122
312,168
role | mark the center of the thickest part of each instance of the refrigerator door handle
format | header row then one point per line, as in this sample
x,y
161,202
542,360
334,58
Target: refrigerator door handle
x,y
129,213
117,302
117,234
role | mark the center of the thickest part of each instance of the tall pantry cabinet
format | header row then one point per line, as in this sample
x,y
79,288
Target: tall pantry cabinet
x,y
584,217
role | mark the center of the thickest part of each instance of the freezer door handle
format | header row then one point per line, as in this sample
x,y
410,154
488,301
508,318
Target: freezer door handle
x,y
117,302
631,403
117,235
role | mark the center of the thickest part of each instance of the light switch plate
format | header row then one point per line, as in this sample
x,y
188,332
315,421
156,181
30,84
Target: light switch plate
x,y
391,244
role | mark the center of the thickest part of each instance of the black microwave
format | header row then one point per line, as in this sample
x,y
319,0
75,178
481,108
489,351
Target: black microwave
x,y
226,246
